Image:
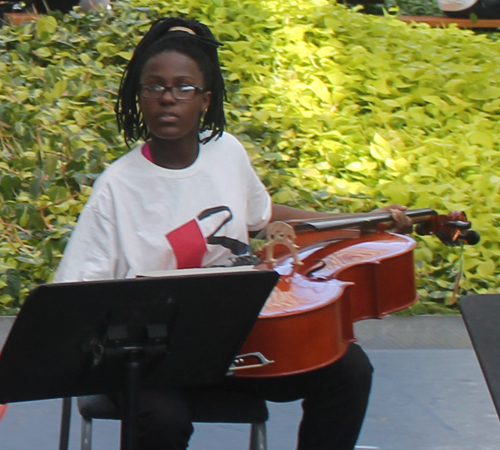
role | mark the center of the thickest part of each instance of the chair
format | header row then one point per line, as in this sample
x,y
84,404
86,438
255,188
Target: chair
x,y
207,407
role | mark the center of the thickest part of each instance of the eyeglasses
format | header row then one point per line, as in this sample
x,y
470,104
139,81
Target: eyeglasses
x,y
181,92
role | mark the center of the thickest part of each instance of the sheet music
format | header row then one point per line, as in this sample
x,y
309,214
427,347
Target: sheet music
x,y
197,271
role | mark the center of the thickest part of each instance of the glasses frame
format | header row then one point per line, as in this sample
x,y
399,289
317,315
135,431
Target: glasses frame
x,y
174,91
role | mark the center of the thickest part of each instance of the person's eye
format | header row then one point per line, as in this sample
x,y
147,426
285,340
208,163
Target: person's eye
x,y
152,88
186,88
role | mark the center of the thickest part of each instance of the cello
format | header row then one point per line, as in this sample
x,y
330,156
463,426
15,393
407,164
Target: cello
x,y
333,273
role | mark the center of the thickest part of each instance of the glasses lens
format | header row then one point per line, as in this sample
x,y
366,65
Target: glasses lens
x,y
152,91
183,92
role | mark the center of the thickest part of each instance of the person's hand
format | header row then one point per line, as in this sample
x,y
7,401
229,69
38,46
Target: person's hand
x,y
402,223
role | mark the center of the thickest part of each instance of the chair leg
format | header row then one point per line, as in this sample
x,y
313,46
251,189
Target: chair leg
x,y
258,436
65,423
86,442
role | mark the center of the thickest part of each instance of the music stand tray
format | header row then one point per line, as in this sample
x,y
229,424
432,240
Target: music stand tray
x,y
64,337
481,315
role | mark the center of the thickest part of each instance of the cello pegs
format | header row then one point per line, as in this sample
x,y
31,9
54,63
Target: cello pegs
x,y
471,237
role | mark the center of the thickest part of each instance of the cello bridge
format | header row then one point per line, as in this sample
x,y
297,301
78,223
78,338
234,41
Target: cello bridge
x,y
280,233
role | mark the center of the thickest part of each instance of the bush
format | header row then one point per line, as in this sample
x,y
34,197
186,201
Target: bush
x,y
339,110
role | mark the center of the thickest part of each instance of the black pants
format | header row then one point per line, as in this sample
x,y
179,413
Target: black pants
x,y
334,405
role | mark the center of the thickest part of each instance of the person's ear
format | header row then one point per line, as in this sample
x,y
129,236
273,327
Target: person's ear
x,y
207,96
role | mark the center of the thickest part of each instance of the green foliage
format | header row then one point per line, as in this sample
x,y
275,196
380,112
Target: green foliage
x,y
339,110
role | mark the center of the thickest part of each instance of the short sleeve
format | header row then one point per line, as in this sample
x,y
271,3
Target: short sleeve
x,y
92,252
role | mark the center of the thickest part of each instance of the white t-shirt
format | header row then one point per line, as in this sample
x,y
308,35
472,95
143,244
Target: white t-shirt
x,y
142,217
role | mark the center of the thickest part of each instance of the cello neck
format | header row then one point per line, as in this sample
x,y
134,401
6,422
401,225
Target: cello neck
x,y
363,221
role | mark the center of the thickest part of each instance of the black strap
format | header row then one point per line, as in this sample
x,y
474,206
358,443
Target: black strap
x,y
236,247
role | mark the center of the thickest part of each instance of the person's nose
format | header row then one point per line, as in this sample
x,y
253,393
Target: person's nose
x,y
167,96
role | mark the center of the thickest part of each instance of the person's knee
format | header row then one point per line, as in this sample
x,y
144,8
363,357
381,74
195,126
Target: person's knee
x,y
365,366
356,364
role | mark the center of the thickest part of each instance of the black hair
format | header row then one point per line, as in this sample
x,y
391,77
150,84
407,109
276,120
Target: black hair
x,y
201,47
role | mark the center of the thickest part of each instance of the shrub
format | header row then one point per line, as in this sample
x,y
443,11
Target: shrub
x,y
339,110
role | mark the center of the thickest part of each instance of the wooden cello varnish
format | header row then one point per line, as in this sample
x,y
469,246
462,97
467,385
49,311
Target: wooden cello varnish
x,y
334,273
307,322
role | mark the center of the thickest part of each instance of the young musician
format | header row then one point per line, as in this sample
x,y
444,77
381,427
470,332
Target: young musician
x,y
187,196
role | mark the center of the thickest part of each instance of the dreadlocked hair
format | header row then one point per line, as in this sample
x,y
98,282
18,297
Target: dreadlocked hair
x,y
201,47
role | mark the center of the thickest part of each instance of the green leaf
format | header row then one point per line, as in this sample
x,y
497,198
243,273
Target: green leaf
x,y
13,280
355,166
43,52
59,88
486,268
320,89
46,25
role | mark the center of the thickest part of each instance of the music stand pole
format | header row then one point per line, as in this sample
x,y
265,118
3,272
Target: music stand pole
x,y
129,426
133,346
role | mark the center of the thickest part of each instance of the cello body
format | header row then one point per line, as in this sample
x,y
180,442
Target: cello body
x,y
307,322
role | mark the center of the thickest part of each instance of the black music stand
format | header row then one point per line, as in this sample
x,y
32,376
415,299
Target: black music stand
x,y
76,339
481,315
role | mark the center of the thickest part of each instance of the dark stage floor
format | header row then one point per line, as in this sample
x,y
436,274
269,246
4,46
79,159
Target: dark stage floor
x,y
429,394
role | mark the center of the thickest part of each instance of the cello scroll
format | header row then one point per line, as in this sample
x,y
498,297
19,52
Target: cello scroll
x,y
452,229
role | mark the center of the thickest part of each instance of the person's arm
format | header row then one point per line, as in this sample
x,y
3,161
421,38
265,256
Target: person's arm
x,y
283,213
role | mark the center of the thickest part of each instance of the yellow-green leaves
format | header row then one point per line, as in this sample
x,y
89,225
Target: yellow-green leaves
x,y
339,111
320,89
46,26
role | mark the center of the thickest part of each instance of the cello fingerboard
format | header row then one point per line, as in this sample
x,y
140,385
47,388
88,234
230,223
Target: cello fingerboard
x,y
361,221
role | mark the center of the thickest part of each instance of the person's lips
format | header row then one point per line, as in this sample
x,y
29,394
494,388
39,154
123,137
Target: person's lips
x,y
167,117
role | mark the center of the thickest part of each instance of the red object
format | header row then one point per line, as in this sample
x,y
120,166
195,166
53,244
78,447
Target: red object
x,y
346,275
3,408
188,244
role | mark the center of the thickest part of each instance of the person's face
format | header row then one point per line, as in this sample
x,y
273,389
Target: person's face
x,y
166,117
